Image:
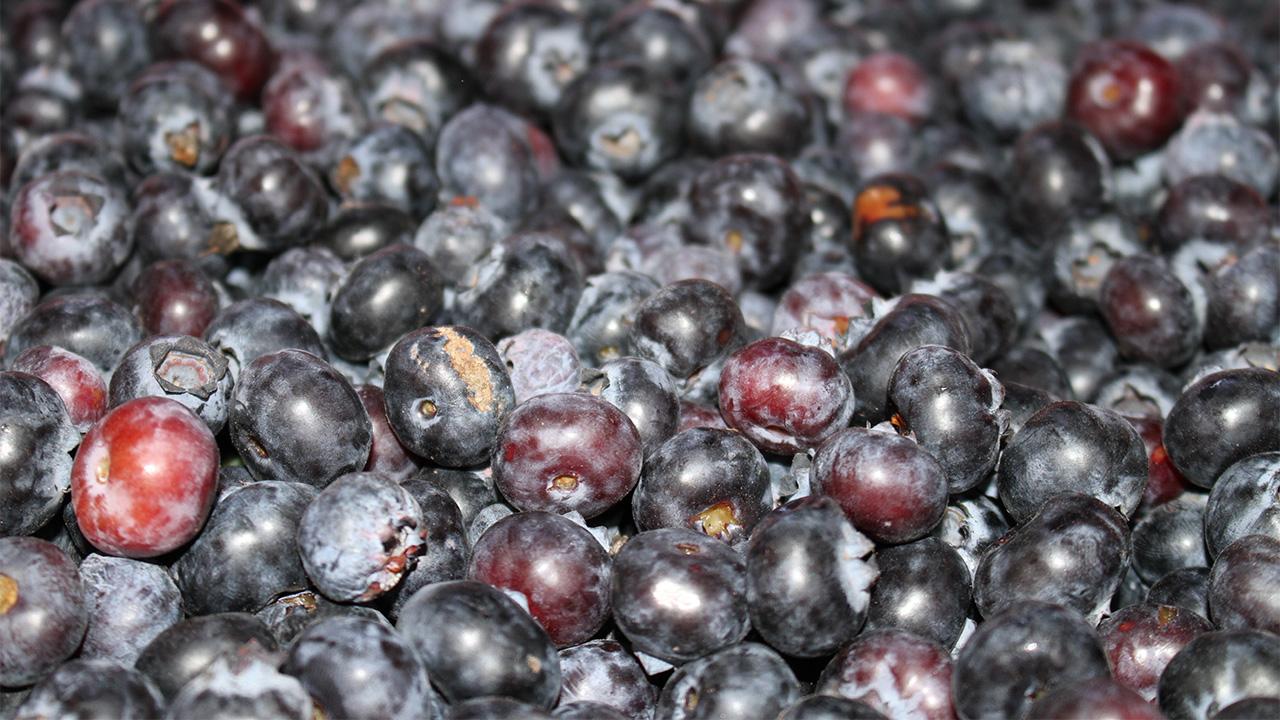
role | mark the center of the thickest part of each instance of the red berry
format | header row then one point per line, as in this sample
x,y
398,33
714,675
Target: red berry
x,y
144,478
1126,95
889,83
75,379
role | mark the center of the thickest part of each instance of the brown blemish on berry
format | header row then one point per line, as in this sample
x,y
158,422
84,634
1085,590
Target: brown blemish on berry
x,y
184,145
733,240
688,548
880,202
304,600
256,447
691,700
565,482
223,239
717,520
899,424
534,663
428,409
346,172
103,471
1166,614
841,323
8,593
465,201
469,367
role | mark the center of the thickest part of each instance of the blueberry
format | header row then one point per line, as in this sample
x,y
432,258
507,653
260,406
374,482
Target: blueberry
x,y
1239,586
251,328
1221,418
36,436
1217,669
924,588
43,614
181,368
186,649
129,603
390,292
748,680
603,672
889,669
94,688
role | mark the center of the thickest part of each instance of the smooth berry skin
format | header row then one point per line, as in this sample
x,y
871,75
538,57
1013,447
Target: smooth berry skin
x,y
711,480
924,588
686,326
42,609
173,297
386,294
386,454
295,418
1071,447
741,87
1170,537
503,651
889,83
99,688
828,707
1126,95
1244,501
808,578
75,379
144,478
87,324
1241,583
724,684
447,392
567,589
247,553
679,595
1244,299
216,34
890,669
70,228
1186,589
187,648
34,461
129,603
1141,639
645,392
890,488
1095,698
1059,171
1150,312
606,673
1217,669
818,404
1220,419
1213,208
567,452
361,669
1073,552
1032,647
899,234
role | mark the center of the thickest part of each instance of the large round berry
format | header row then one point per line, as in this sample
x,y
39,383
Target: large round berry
x,y
42,609
144,478
1126,95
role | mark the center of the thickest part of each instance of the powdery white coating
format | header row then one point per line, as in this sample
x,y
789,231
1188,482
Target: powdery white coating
x,y
748,675
70,228
826,302
540,362
36,436
93,688
1245,500
127,505
18,295
44,620
302,279
901,675
1211,143
76,380
602,671
130,602
242,685
855,567
138,376
359,535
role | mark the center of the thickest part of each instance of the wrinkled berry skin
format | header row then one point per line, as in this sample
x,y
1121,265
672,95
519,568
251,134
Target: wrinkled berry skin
x,y
1141,639
129,603
361,669
87,324
476,642
19,292
686,326
1030,648
34,465
924,588
359,535
950,405
178,367
889,487
898,233
145,478
808,578
1220,419
246,555
294,418
1073,552
540,362
1244,501
679,595
891,669
183,651
391,292
710,480
819,402
444,554
1242,585
1217,669
1073,447
446,393
745,681
566,451
1126,95
42,609
567,589
93,688
605,673
916,320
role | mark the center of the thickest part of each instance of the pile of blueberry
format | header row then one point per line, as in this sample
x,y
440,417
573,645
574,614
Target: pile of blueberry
x,y
639,359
